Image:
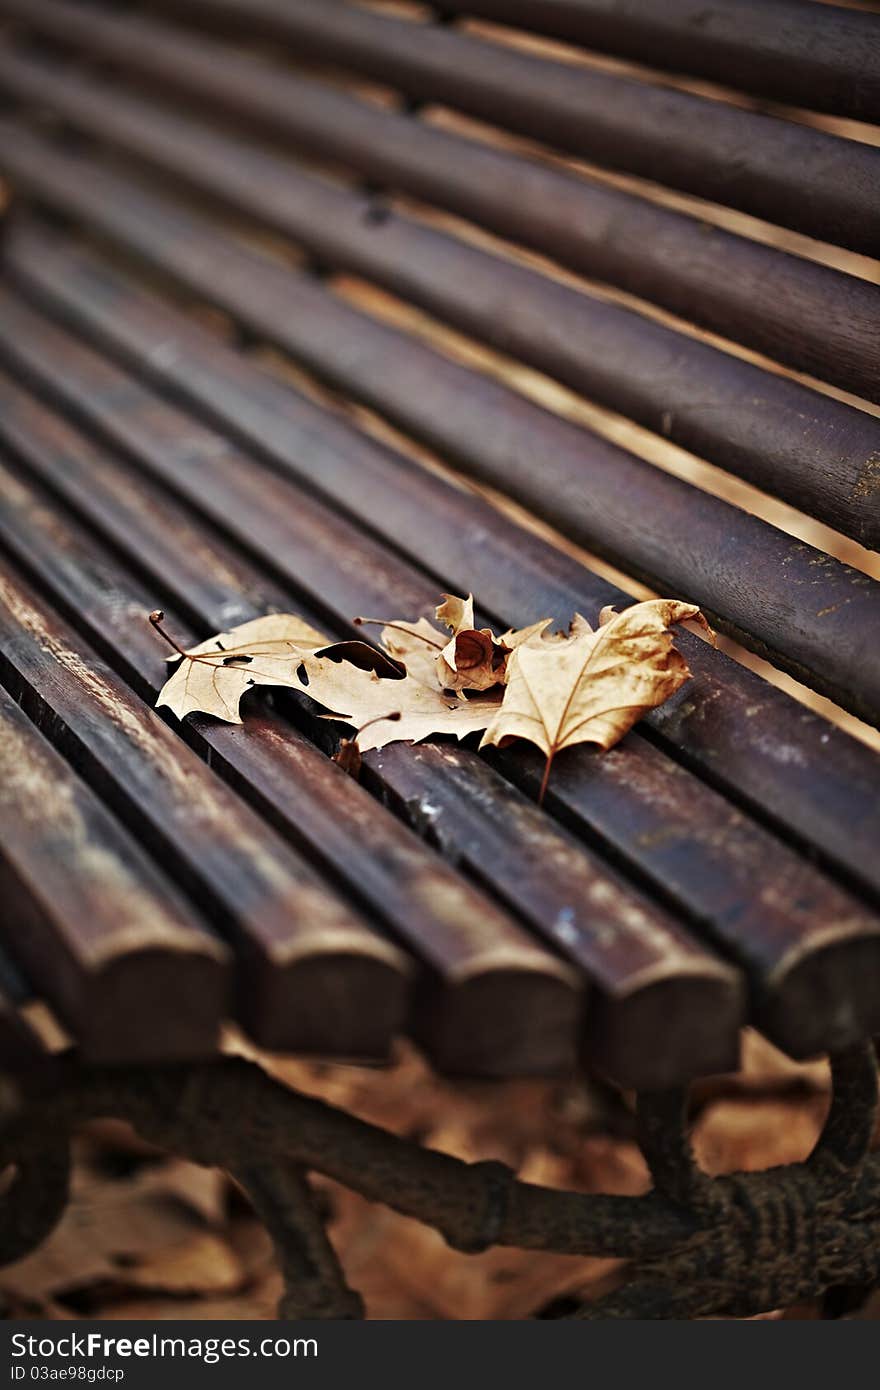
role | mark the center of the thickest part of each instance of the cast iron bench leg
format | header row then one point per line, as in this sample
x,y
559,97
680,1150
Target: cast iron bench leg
x,y
736,1245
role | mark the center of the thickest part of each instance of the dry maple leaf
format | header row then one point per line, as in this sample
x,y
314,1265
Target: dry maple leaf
x,y
473,658
561,689
362,698
417,645
697,623
593,687
213,676
535,632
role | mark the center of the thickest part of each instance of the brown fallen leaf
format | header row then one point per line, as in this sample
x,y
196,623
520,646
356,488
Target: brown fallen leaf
x,y
473,658
202,1264
417,645
555,690
361,698
537,632
212,676
348,754
592,688
697,624
348,757
114,1227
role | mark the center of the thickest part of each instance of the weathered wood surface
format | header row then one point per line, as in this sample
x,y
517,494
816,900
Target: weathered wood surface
x,y
796,933
630,949
474,957
681,876
822,787
702,273
750,421
312,974
776,169
762,586
127,964
826,58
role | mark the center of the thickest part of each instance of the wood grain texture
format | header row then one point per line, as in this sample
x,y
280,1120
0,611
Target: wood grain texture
x,y
503,988
776,169
702,273
308,965
787,765
795,931
768,590
131,970
475,957
747,420
826,58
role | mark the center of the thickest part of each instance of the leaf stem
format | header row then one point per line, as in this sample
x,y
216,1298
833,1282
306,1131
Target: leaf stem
x,y
392,718
546,778
399,627
157,617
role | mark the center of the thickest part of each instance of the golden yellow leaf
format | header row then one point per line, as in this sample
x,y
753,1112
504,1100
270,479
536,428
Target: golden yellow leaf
x,y
593,687
213,676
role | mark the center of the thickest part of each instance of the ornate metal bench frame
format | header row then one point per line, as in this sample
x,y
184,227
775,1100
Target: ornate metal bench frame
x,y
735,1245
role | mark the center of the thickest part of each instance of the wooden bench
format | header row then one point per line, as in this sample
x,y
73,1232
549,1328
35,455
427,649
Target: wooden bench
x,y
261,330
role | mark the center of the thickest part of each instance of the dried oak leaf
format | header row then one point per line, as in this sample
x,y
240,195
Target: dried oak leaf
x,y
361,698
593,687
213,676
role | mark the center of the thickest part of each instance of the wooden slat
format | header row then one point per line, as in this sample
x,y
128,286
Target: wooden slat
x,y
703,274
637,957
820,56
769,907
743,418
476,958
772,592
131,970
313,976
784,172
812,782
